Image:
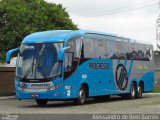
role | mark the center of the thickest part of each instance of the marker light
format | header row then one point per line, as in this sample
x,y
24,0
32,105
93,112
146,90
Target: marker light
x,y
35,95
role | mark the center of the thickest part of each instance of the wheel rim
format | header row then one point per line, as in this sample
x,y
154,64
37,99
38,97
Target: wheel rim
x,y
82,96
139,91
133,92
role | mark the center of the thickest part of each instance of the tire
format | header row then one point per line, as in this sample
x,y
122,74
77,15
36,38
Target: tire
x,y
41,102
82,96
132,93
139,91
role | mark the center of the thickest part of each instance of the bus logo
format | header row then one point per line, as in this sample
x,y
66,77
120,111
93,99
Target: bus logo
x,y
98,66
121,77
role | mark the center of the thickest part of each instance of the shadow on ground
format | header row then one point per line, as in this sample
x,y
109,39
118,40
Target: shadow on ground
x,y
58,104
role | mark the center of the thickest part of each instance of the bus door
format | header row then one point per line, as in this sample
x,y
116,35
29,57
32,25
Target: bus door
x,y
72,58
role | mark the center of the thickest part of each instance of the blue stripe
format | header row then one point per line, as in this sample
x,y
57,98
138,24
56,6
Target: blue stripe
x,y
130,68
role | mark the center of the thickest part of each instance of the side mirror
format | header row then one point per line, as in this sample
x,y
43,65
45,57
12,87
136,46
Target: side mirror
x,y
61,53
10,53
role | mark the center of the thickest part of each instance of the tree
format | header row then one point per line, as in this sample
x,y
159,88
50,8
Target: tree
x,y
18,18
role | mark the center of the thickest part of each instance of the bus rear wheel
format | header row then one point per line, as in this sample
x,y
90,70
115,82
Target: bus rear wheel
x,y
82,96
132,93
139,91
41,102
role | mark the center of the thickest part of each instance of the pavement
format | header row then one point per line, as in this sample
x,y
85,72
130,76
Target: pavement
x,y
7,97
148,104
14,97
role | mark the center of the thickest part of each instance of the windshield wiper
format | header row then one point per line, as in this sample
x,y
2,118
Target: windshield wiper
x,y
29,70
57,76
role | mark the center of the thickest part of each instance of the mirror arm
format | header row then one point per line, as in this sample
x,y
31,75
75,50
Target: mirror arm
x,y
10,53
61,53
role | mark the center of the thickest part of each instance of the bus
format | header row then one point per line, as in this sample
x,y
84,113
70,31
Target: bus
x,y
78,64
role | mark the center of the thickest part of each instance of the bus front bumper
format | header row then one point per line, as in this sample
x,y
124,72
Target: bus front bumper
x,y
55,94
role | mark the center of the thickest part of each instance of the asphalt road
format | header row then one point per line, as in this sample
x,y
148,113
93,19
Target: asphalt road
x,y
149,104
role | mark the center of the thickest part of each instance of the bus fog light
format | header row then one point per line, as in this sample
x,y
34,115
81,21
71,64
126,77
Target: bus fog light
x,y
51,88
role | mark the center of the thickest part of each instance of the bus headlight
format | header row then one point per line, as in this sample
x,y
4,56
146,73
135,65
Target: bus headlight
x,y
54,87
19,88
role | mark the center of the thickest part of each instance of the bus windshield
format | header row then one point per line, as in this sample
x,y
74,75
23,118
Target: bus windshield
x,y
38,61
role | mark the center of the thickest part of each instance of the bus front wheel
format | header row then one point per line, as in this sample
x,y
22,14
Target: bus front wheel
x,y
41,102
82,96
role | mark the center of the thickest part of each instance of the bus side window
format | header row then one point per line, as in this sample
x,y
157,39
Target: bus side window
x,y
88,46
123,48
117,49
148,54
111,50
133,52
100,48
141,52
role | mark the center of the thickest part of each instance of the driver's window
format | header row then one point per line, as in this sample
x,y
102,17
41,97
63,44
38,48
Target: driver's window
x,y
72,55
75,47
68,61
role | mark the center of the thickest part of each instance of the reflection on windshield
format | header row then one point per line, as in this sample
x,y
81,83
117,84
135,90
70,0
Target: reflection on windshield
x,y
38,61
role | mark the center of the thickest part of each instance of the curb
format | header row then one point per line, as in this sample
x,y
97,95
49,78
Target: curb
x,y
7,97
151,93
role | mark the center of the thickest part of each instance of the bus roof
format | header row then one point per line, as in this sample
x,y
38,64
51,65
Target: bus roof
x,y
62,36
46,36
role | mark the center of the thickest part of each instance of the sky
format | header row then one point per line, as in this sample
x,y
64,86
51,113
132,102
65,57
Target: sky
x,y
135,19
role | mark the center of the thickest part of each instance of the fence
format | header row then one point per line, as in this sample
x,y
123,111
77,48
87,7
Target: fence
x,y
7,75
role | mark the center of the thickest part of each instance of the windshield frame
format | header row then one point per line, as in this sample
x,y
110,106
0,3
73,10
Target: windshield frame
x,y
39,79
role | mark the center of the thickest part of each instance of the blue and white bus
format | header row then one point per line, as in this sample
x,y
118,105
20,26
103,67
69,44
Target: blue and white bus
x,y
75,65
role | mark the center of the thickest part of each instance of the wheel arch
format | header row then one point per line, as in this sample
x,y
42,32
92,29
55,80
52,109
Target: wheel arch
x,y
134,82
141,82
86,86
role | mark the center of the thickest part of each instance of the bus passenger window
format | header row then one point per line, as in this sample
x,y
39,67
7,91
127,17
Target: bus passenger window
x,y
134,55
110,55
100,49
140,54
111,50
89,51
123,48
148,55
128,56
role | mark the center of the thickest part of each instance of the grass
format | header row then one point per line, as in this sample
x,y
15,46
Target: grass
x,y
156,90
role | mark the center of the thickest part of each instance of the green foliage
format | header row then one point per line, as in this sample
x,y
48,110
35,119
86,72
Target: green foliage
x,y
156,90
18,18
2,57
